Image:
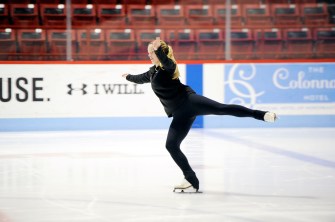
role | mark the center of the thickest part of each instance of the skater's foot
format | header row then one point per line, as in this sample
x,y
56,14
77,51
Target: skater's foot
x,y
270,117
185,187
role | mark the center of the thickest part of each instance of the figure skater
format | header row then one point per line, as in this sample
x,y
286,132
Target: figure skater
x,y
183,104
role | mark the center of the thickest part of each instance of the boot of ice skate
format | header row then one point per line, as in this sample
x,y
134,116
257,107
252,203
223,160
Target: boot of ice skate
x,y
185,187
270,117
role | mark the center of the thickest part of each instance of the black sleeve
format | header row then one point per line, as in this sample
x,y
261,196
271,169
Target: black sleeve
x,y
139,79
167,63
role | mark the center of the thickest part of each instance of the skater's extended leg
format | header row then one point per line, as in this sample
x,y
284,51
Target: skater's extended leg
x,y
179,128
204,106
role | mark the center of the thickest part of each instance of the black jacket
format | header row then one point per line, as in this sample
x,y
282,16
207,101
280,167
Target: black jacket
x,y
171,92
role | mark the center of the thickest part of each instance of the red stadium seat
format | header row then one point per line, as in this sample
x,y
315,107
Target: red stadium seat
x,y
277,1
7,44
19,1
91,44
289,1
303,1
143,15
163,2
183,43
235,12
170,15
242,44
210,44
199,14
299,43
113,2
144,37
215,2
4,19
79,1
286,14
325,42
50,1
83,15
57,39
121,44
32,44
314,14
268,43
246,1
257,15
25,15
53,15
191,2
111,15
140,2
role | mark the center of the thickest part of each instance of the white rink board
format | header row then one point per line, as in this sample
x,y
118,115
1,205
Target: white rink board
x,y
76,90
287,89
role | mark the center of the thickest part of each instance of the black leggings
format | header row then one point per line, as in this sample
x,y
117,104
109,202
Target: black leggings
x,y
183,119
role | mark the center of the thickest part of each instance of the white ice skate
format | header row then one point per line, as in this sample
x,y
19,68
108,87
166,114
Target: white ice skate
x,y
270,117
185,187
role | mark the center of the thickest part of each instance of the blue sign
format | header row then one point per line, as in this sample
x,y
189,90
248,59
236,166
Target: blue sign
x,y
279,83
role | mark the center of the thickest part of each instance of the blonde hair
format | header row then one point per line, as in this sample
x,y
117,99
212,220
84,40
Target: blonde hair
x,y
167,49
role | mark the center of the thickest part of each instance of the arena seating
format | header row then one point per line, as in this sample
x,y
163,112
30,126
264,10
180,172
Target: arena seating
x,y
111,15
170,15
182,41
219,13
121,44
143,38
199,15
32,44
56,1
314,14
191,2
210,43
57,42
53,15
261,29
143,15
91,44
299,43
83,14
4,15
163,2
268,43
24,15
8,44
257,15
114,2
247,1
286,14
140,2
242,44
325,42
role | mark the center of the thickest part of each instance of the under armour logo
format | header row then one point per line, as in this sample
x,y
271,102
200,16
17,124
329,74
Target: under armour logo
x,y
77,89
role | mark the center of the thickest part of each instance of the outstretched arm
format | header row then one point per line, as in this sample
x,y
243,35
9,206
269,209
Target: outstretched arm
x,y
139,79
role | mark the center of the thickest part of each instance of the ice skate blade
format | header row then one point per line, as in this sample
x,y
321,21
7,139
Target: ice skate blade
x,y
186,190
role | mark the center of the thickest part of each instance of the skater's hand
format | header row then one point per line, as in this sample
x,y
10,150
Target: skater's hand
x,y
125,75
156,43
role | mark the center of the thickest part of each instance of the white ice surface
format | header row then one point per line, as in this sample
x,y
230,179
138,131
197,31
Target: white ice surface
x,y
246,175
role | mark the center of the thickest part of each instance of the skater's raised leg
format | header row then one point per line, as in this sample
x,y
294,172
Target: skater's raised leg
x,y
204,106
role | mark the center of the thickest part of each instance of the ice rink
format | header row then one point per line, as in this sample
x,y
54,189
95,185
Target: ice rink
x,y
246,175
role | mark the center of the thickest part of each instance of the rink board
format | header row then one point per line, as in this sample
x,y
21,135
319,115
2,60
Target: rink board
x,y
95,96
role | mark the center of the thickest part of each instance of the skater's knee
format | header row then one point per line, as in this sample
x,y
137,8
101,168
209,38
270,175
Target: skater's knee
x,y
171,146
